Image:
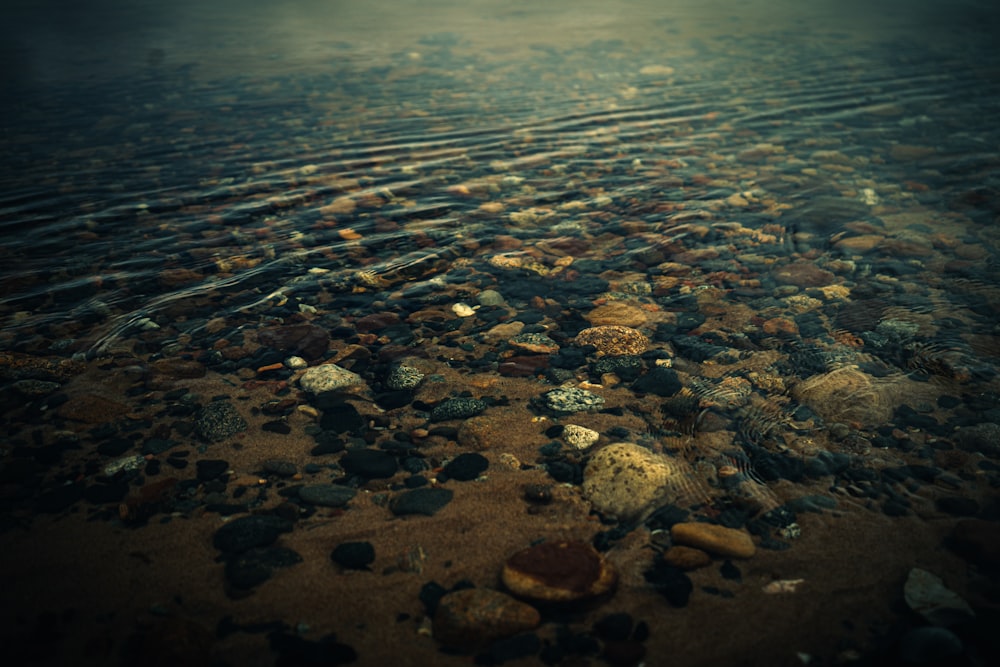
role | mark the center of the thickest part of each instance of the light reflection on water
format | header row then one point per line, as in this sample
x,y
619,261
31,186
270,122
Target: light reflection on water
x,y
156,172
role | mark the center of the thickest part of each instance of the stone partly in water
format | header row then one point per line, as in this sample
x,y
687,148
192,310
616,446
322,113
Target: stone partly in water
x,y
559,571
627,481
473,617
613,339
571,399
714,539
219,420
328,377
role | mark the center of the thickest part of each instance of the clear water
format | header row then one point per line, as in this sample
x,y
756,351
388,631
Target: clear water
x,y
203,162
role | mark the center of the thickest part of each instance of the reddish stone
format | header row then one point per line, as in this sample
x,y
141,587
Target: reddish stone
x,y
803,274
375,322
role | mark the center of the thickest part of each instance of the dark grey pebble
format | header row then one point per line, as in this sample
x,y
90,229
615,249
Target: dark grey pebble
x,y
614,627
628,367
256,565
660,381
424,500
156,446
465,467
982,438
957,506
814,503
279,467
671,582
219,420
369,463
296,650
277,426
353,555
457,408
246,532
210,469
327,495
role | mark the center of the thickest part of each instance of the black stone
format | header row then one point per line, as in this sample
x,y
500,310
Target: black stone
x,y
354,555
295,650
156,446
59,498
671,582
256,565
327,495
277,426
510,648
660,380
258,530
369,463
114,447
424,500
614,627
957,506
466,467
341,418
99,494
210,469
730,571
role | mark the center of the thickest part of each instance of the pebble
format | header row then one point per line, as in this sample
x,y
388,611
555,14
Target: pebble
x,y
534,343
618,313
369,463
35,388
457,408
209,469
256,565
474,617
929,645
686,558
580,437
559,571
402,377
613,339
424,500
126,463
246,532
327,495
571,399
353,555
296,363
983,438
489,297
219,420
714,539
463,310
661,381
279,467
627,481
466,467
328,377
926,594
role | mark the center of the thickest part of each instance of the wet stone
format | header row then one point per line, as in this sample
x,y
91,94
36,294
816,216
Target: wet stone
x,y
571,399
579,436
243,533
982,438
256,565
306,340
403,377
613,339
353,555
660,381
423,500
328,377
369,463
209,469
626,481
926,594
279,467
534,343
559,571
714,539
466,467
219,420
474,617
35,388
627,367
327,495
457,408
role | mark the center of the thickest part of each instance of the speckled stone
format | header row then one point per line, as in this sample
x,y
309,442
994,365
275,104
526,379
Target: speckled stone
x,y
559,571
714,539
571,399
613,339
476,616
627,481
219,420
328,377
403,377
579,436
457,408
534,343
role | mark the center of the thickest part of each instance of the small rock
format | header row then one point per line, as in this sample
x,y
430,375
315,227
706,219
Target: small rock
x,y
686,558
424,500
279,467
403,377
466,467
579,437
714,539
476,616
559,571
571,399
328,377
219,420
661,381
296,363
255,566
626,481
613,339
327,495
463,310
927,595
489,297
353,555
369,463
35,388
457,408
257,530
929,645
534,343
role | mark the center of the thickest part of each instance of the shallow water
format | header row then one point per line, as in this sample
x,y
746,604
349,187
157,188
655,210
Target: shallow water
x,y
798,204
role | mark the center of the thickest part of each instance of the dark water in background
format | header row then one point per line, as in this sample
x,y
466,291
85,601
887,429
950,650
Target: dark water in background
x,y
169,163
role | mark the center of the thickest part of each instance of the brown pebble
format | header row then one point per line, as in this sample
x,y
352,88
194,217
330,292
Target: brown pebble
x,y
559,571
686,558
714,539
476,616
